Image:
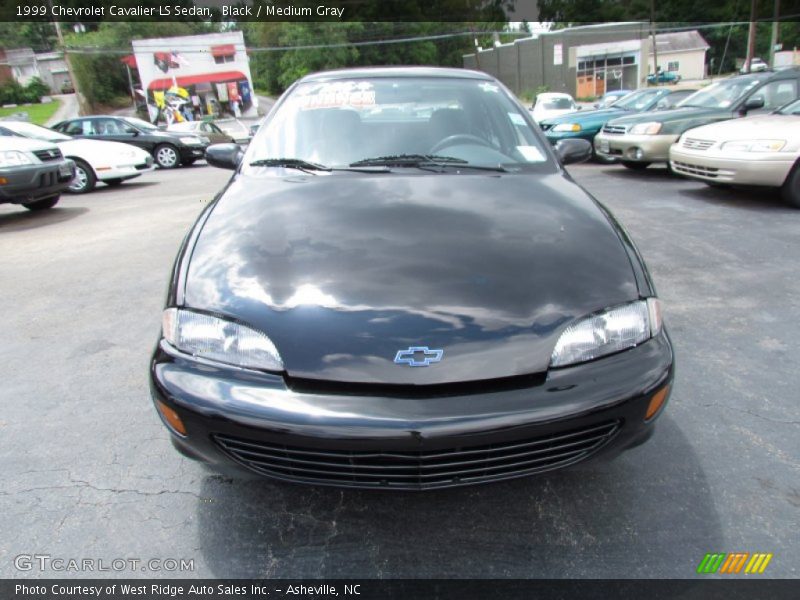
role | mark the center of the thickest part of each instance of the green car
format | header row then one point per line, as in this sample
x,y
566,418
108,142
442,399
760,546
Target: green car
x,y
664,77
639,140
587,123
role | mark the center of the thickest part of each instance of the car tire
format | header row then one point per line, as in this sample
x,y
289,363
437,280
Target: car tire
x,y
43,204
636,166
113,182
166,156
84,180
790,190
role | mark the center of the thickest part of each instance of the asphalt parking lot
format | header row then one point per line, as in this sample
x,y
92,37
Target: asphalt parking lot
x,y
88,470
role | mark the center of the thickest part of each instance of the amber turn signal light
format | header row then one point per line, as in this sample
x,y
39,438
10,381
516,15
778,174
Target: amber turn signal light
x,y
656,402
171,417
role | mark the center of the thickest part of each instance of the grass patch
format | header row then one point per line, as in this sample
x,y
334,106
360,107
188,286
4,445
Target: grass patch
x,y
38,114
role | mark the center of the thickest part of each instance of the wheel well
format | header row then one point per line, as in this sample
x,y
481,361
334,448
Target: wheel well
x,y
79,159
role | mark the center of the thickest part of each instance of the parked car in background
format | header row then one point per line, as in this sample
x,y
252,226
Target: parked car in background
x,y
95,160
642,139
406,298
32,173
757,65
610,97
202,128
235,129
552,104
169,149
587,123
762,150
670,77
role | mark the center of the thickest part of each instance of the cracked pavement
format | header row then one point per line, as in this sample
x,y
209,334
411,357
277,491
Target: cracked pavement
x,y
88,471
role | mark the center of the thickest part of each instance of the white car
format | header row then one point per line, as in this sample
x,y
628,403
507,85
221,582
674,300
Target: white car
x,y
552,104
756,66
95,160
762,150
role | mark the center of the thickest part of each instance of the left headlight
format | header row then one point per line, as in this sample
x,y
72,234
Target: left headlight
x,y
604,333
650,128
192,141
753,145
217,339
13,158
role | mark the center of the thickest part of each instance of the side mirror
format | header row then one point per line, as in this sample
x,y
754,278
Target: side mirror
x,y
224,156
753,103
573,150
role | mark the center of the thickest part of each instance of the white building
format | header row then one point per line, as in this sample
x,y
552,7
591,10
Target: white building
x,y
214,68
683,52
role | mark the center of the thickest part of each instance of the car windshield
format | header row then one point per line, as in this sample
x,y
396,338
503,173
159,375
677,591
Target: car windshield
x,y
638,100
557,103
722,94
140,124
792,108
397,121
35,132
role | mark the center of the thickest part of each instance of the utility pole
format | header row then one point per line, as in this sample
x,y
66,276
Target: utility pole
x,y
82,107
773,40
751,38
653,34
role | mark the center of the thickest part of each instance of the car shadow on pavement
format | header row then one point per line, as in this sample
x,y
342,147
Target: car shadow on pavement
x,y
753,199
649,513
28,219
650,174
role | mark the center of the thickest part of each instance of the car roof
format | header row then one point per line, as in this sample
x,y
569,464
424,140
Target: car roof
x,y
397,72
553,95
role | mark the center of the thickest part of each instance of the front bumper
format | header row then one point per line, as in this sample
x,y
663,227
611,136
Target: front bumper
x,y
253,420
30,183
555,136
126,171
634,148
750,168
192,152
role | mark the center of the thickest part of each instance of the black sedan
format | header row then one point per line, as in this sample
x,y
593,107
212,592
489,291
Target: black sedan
x,y
169,149
402,288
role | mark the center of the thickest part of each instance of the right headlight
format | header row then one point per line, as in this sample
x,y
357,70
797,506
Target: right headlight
x,y
205,336
567,127
14,158
604,333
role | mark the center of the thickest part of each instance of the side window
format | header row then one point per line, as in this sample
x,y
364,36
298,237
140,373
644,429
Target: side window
x,y
83,127
777,93
5,132
205,128
214,128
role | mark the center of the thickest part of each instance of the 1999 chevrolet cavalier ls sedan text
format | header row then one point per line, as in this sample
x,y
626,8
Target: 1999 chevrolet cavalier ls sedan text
x,y
402,288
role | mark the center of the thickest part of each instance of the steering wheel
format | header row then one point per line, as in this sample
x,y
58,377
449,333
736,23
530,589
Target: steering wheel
x,y
452,140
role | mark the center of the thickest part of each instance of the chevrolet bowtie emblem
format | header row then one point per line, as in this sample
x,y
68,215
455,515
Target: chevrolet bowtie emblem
x,y
418,356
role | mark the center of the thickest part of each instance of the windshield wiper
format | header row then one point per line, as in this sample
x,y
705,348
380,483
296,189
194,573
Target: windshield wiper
x,y
292,163
422,161
407,160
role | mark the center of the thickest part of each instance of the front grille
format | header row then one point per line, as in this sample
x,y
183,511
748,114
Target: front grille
x,y
695,144
46,155
614,129
695,169
419,469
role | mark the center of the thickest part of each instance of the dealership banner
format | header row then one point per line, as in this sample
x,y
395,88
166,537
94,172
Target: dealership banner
x,y
411,589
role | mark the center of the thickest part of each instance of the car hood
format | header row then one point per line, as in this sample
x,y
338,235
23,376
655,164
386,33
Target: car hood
x,y
344,270
585,116
670,115
13,142
753,128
